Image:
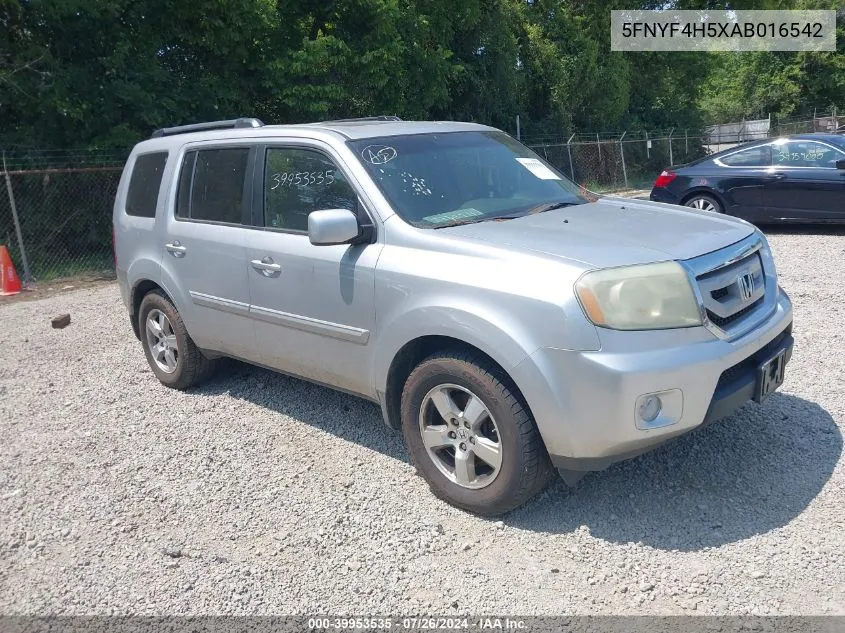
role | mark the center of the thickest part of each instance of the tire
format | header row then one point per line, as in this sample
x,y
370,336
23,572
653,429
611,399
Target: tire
x,y
189,366
524,468
704,202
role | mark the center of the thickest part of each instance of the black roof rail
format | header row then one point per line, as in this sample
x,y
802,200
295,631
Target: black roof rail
x,y
383,117
211,125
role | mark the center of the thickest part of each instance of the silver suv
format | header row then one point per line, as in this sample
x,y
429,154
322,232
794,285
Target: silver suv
x,y
507,321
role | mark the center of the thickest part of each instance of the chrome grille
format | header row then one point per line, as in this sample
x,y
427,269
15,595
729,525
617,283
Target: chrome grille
x,y
725,322
732,293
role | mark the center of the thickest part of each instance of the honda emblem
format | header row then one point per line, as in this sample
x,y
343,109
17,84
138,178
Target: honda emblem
x,y
746,286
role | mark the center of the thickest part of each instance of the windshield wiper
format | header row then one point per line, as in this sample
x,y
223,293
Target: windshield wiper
x,y
550,206
477,220
461,223
541,208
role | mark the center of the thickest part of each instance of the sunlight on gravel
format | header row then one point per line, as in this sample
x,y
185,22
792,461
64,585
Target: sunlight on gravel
x,y
263,494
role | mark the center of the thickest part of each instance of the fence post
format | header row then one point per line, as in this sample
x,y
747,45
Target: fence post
x,y
569,153
622,153
598,144
647,146
27,277
686,144
518,134
671,160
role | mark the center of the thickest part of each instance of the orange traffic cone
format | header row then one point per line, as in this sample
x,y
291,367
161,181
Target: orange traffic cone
x,y
10,283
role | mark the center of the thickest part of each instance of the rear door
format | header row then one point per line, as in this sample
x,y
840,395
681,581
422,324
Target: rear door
x,y
204,260
313,306
805,183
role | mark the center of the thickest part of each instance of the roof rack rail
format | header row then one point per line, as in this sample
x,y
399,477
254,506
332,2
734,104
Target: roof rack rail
x,y
211,125
383,117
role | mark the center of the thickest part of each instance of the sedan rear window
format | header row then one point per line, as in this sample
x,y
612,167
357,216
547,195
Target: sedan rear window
x,y
753,157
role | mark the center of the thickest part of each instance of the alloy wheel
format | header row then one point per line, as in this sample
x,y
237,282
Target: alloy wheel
x,y
702,204
460,436
161,341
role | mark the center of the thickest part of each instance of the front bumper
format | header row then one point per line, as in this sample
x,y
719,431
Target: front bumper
x,y
584,403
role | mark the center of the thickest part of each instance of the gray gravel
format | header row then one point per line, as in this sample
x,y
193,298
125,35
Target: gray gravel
x,y
263,494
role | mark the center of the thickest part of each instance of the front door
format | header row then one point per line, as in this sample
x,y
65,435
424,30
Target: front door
x,y
313,306
805,183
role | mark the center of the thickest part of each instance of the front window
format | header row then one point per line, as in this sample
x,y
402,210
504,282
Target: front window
x,y
437,180
298,181
803,153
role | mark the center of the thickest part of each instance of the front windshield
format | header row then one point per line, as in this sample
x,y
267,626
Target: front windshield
x,y
438,180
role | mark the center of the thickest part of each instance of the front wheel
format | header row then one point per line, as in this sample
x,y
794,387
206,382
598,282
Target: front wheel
x,y
704,202
470,436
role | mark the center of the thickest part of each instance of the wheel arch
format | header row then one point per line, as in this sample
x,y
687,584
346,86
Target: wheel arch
x,y
141,289
415,351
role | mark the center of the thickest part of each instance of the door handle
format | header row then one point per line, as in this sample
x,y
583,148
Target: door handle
x,y
266,267
176,249
777,176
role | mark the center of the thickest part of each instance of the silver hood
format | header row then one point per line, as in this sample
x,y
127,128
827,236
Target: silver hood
x,y
612,232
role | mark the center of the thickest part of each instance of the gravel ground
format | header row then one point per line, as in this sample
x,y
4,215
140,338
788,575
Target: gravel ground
x,y
263,494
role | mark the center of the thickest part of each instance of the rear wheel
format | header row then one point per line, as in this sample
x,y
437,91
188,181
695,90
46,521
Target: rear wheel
x,y
174,358
470,436
704,202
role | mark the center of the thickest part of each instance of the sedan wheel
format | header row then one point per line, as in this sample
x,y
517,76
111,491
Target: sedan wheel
x,y
704,203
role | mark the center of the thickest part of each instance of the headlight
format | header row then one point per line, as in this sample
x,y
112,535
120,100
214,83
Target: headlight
x,y
647,297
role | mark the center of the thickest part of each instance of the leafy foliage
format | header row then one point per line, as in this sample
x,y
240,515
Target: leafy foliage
x,y
104,73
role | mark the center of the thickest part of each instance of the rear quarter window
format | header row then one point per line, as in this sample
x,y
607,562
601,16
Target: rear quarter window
x,y
760,156
144,184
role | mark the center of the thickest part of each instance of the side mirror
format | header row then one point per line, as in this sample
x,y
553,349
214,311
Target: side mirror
x,y
840,164
332,226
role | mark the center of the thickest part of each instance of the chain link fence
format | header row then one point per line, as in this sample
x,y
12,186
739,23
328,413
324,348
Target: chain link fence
x,y
629,160
63,199
63,202
633,159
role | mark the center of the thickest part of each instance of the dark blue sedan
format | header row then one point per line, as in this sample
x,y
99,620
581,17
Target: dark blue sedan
x,y
797,178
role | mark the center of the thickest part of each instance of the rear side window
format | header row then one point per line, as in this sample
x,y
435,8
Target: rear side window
x,y
754,157
211,185
144,184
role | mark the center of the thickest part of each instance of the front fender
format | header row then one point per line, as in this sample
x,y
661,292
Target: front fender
x,y
506,343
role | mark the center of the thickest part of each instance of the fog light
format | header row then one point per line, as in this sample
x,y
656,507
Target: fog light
x,y
649,408
658,409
